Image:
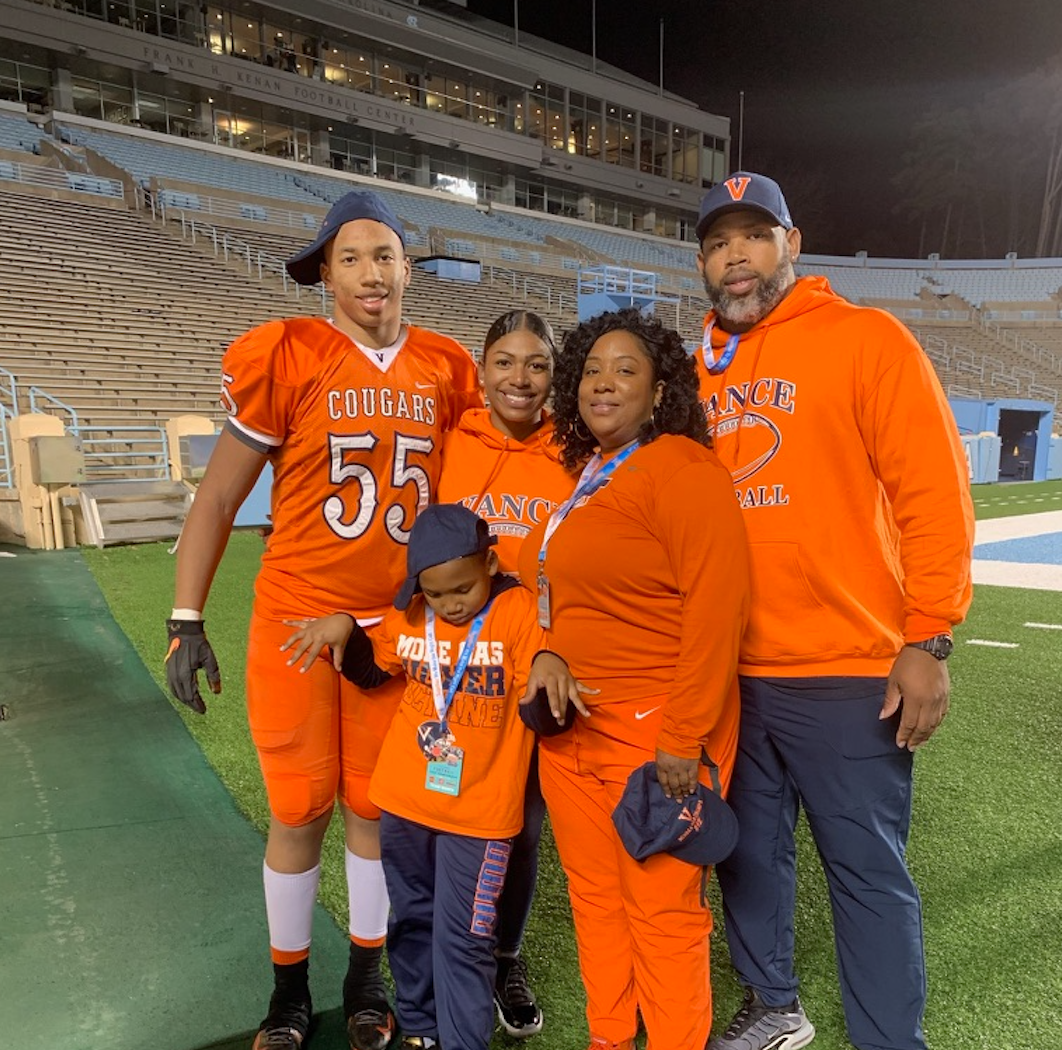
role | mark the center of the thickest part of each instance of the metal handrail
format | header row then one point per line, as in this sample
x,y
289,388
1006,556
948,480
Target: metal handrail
x,y
258,261
7,473
617,279
170,200
9,380
1021,343
36,393
525,285
61,178
157,453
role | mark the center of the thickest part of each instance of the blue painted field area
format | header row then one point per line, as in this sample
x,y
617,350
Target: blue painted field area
x,y
1024,550
1029,550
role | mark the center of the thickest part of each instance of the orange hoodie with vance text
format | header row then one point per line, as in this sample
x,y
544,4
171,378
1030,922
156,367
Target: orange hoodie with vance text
x,y
512,485
847,463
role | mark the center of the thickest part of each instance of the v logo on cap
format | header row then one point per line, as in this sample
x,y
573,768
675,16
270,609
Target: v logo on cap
x,y
737,185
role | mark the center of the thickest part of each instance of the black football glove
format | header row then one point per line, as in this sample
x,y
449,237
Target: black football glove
x,y
189,650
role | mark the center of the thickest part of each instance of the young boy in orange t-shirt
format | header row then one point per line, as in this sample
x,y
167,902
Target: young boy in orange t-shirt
x,y
452,770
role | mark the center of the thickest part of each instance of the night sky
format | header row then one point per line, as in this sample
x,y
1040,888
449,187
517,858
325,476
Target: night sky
x,y
831,88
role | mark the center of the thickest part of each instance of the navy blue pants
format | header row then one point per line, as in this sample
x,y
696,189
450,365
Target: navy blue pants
x,y
444,893
515,904
818,743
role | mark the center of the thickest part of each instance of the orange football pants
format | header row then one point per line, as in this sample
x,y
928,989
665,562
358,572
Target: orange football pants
x,y
318,736
641,926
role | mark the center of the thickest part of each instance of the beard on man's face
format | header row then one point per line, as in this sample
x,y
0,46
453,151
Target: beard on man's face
x,y
744,311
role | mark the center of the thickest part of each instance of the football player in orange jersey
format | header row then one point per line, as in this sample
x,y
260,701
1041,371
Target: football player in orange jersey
x,y
502,463
351,412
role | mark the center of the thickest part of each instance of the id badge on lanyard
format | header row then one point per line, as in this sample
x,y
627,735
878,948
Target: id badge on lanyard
x,y
593,477
438,744
543,600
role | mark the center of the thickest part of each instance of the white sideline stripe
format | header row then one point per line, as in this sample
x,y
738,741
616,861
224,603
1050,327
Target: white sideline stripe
x,y
990,530
1045,626
994,645
1018,574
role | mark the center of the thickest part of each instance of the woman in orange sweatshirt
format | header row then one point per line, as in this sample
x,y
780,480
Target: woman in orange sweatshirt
x,y
501,462
642,583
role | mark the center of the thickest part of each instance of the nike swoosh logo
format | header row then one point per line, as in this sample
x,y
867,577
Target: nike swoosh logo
x,y
639,715
424,386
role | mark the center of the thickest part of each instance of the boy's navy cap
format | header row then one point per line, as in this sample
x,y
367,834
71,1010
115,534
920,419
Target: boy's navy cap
x,y
701,828
537,716
442,532
744,189
305,266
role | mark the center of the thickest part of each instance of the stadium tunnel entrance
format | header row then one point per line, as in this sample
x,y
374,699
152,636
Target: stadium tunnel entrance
x,y
1021,429
1018,431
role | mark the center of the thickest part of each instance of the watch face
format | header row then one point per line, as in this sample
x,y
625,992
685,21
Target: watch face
x,y
941,646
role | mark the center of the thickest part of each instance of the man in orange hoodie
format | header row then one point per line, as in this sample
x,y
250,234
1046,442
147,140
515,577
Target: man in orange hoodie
x,y
846,461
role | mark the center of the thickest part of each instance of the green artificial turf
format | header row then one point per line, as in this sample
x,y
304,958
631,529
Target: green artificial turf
x,y
138,584
1016,497
986,845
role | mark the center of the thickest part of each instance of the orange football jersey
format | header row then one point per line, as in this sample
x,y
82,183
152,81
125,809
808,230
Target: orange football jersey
x,y
355,438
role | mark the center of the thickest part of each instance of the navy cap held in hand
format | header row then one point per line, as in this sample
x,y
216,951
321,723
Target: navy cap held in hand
x,y
700,828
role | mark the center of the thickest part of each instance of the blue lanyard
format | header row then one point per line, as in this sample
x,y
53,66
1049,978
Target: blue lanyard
x,y
443,700
594,475
715,367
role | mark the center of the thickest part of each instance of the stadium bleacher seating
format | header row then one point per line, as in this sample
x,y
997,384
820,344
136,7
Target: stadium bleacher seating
x,y
145,159
861,284
17,133
127,322
977,284
423,212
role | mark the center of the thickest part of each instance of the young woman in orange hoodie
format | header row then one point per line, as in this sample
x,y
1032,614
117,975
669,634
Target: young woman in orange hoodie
x,y
501,462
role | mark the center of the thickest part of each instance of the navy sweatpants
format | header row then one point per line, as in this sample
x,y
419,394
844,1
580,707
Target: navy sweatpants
x,y
818,743
519,893
444,892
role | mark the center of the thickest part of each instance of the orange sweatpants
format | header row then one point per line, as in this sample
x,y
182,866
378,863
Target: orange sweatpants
x,y
641,926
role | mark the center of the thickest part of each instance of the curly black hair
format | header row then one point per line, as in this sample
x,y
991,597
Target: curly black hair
x,y
680,410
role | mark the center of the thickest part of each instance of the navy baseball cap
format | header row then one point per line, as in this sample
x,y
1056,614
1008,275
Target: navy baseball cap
x,y
744,189
700,828
442,532
537,716
305,266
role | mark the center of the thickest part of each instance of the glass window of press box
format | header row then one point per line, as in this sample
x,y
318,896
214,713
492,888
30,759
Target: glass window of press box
x,y
564,120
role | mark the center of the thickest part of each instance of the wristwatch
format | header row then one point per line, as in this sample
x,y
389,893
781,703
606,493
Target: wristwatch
x,y
939,646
